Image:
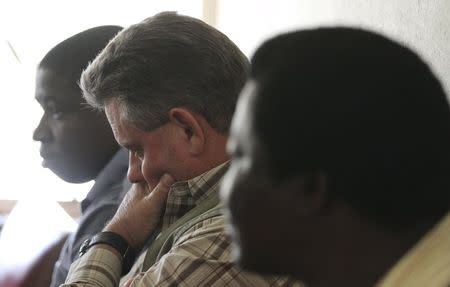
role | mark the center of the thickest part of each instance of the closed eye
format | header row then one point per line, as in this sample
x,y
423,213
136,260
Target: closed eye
x,y
139,154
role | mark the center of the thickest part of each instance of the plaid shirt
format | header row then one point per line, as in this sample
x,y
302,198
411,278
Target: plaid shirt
x,y
201,257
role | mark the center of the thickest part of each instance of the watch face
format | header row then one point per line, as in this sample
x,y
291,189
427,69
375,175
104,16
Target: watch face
x,y
84,247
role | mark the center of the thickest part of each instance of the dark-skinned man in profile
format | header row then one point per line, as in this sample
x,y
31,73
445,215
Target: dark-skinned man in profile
x,y
77,143
340,173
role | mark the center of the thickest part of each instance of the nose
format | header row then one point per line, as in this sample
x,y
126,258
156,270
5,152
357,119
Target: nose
x,y
42,133
134,169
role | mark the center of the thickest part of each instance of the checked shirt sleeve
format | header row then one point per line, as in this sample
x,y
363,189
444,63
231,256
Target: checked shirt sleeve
x,y
202,258
98,267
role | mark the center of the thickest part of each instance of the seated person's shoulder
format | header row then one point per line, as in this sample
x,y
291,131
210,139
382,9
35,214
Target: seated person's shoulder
x,y
209,227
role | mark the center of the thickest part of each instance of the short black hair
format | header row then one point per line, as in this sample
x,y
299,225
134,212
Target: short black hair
x,y
72,55
364,110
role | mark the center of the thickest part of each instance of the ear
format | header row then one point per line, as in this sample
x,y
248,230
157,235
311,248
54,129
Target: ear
x,y
192,127
309,191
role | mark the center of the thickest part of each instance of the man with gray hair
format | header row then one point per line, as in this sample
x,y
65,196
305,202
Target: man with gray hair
x,y
169,87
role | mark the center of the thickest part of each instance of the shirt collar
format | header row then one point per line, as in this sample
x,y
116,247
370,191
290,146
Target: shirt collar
x,y
427,263
185,195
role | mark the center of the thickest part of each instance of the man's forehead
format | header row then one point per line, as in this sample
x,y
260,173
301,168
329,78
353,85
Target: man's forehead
x,y
241,134
51,86
244,111
43,90
48,77
112,114
117,123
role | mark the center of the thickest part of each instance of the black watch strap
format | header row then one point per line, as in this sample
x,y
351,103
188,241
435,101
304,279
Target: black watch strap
x,y
117,242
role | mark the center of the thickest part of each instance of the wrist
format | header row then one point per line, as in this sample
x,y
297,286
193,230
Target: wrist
x,y
108,247
114,243
117,229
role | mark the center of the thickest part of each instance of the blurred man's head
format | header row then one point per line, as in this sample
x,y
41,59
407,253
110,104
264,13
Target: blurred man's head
x,y
76,141
169,86
333,121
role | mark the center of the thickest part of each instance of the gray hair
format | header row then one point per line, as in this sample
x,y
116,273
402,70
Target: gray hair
x,y
167,61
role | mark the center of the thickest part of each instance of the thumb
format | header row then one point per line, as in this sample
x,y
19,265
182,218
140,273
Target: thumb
x,y
159,193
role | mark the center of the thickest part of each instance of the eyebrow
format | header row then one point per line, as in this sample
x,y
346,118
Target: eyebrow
x,y
132,147
125,144
44,99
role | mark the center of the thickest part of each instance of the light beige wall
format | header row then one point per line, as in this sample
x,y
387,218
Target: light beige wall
x,y
424,25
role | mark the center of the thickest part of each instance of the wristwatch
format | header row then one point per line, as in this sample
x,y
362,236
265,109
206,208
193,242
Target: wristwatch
x,y
114,240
